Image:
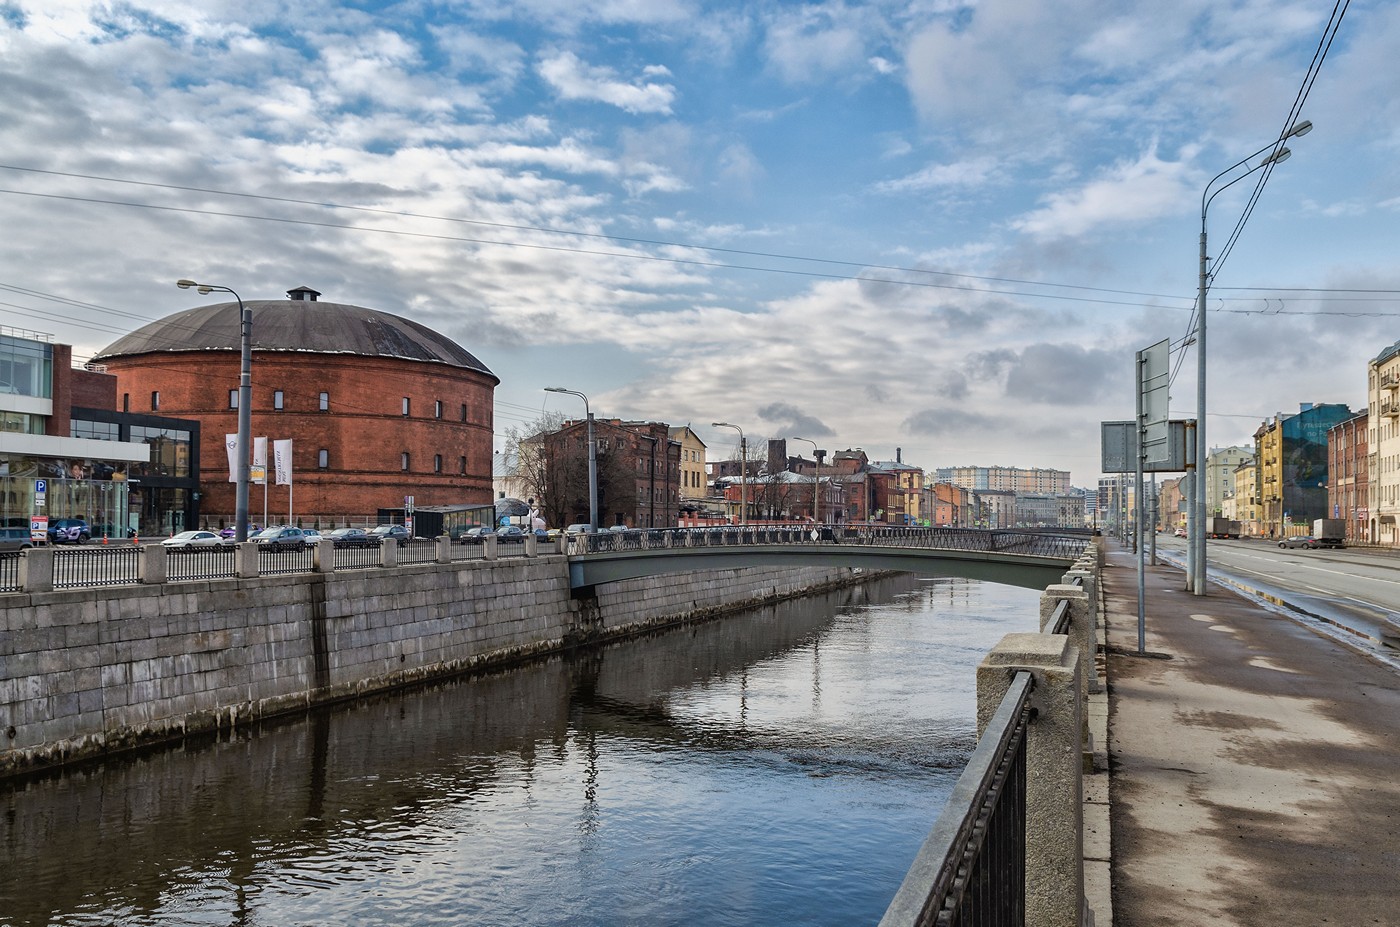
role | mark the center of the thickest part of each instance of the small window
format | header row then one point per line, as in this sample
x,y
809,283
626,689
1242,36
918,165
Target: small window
x,y
464,411
325,402
437,408
462,466
323,458
155,400
437,463
403,459
277,398
126,402
405,406
233,399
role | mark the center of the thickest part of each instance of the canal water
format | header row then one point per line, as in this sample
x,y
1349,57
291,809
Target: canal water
x,y
777,767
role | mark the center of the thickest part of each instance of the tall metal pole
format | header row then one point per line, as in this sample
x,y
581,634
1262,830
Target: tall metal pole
x,y
744,474
1197,541
816,481
592,455
245,404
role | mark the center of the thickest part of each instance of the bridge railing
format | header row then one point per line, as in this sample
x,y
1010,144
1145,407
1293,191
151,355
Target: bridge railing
x,y
996,540
45,568
1008,846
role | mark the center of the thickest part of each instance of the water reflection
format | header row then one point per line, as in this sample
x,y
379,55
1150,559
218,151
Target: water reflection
x,y
782,766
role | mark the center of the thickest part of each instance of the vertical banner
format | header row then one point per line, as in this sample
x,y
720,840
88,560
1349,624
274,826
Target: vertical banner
x,y
260,460
231,443
282,454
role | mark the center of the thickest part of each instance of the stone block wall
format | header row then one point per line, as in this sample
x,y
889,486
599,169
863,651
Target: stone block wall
x,y
87,672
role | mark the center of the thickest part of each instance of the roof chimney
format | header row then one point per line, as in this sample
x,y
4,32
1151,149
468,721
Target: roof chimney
x,y
899,455
302,294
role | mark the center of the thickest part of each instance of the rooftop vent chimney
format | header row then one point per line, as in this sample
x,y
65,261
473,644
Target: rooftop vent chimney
x,y
302,294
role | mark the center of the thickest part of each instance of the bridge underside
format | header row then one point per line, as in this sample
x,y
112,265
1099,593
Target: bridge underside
x,y
1030,572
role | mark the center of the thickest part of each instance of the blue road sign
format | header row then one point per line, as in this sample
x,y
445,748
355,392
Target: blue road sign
x,y
41,486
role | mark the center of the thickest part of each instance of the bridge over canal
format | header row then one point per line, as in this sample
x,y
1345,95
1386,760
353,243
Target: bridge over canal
x,y
1017,558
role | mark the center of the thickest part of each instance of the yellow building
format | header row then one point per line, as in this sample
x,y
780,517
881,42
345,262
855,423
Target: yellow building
x,y
1268,452
693,485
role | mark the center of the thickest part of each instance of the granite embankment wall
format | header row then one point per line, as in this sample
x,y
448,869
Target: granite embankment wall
x,y
89,672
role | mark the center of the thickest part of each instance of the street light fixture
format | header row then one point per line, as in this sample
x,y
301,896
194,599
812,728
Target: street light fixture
x,y
245,404
744,471
592,455
816,481
1196,550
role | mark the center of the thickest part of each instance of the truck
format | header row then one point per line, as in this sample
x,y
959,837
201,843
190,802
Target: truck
x,y
1218,527
1329,532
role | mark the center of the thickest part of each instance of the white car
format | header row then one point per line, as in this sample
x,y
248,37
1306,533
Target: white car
x,y
193,540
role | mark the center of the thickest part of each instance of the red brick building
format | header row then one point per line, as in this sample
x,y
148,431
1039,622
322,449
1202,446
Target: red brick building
x,y
377,406
1348,475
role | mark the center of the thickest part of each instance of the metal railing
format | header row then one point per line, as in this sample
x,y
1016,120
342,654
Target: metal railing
x,y
971,870
75,567
202,563
96,566
9,571
998,541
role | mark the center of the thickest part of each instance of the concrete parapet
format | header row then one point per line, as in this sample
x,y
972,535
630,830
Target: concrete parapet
x,y
36,570
323,556
153,566
1054,787
388,552
246,560
442,551
489,550
1081,626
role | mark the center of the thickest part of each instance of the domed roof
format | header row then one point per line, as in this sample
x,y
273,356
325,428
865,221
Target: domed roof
x,y
299,325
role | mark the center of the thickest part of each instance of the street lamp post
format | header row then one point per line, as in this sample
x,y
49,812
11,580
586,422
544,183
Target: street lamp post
x,y
816,482
245,404
592,455
744,471
1196,565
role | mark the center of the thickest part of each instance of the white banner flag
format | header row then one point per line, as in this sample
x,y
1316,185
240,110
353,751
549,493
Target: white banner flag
x,y
282,453
231,442
260,460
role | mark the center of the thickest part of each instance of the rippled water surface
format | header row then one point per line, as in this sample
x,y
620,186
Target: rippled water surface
x,y
779,767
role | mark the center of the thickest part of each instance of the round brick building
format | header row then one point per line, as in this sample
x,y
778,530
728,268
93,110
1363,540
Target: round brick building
x,y
377,406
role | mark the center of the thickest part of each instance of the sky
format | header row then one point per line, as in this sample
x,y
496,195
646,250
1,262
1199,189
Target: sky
x,y
936,228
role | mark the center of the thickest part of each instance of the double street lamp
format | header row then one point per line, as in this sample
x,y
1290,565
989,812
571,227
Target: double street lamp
x,y
744,471
592,455
1196,550
816,481
245,404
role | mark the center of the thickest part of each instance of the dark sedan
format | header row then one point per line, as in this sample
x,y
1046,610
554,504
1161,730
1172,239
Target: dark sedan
x,y
351,537
397,533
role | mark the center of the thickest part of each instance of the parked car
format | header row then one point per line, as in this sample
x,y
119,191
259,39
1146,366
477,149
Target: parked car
x,y
511,533
579,529
1303,540
396,532
193,540
280,538
15,539
311,535
232,530
351,537
69,531
1181,532
475,534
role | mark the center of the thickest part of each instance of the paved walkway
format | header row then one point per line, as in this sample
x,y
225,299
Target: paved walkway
x,y
1255,764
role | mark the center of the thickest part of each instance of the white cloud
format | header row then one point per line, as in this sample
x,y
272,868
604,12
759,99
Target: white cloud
x,y
572,79
972,173
1128,193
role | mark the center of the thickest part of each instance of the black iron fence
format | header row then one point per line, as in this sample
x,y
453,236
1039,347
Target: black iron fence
x,y
96,566
971,870
75,567
9,571
1000,541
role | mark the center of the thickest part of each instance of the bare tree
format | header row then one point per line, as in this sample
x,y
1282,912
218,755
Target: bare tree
x,y
526,445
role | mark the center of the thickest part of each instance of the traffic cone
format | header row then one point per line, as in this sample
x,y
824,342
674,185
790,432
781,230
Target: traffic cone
x,y
104,539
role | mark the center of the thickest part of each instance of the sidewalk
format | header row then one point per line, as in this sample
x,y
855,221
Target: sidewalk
x,y
1255,765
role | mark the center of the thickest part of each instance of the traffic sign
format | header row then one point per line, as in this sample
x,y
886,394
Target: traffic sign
x,y
41,487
